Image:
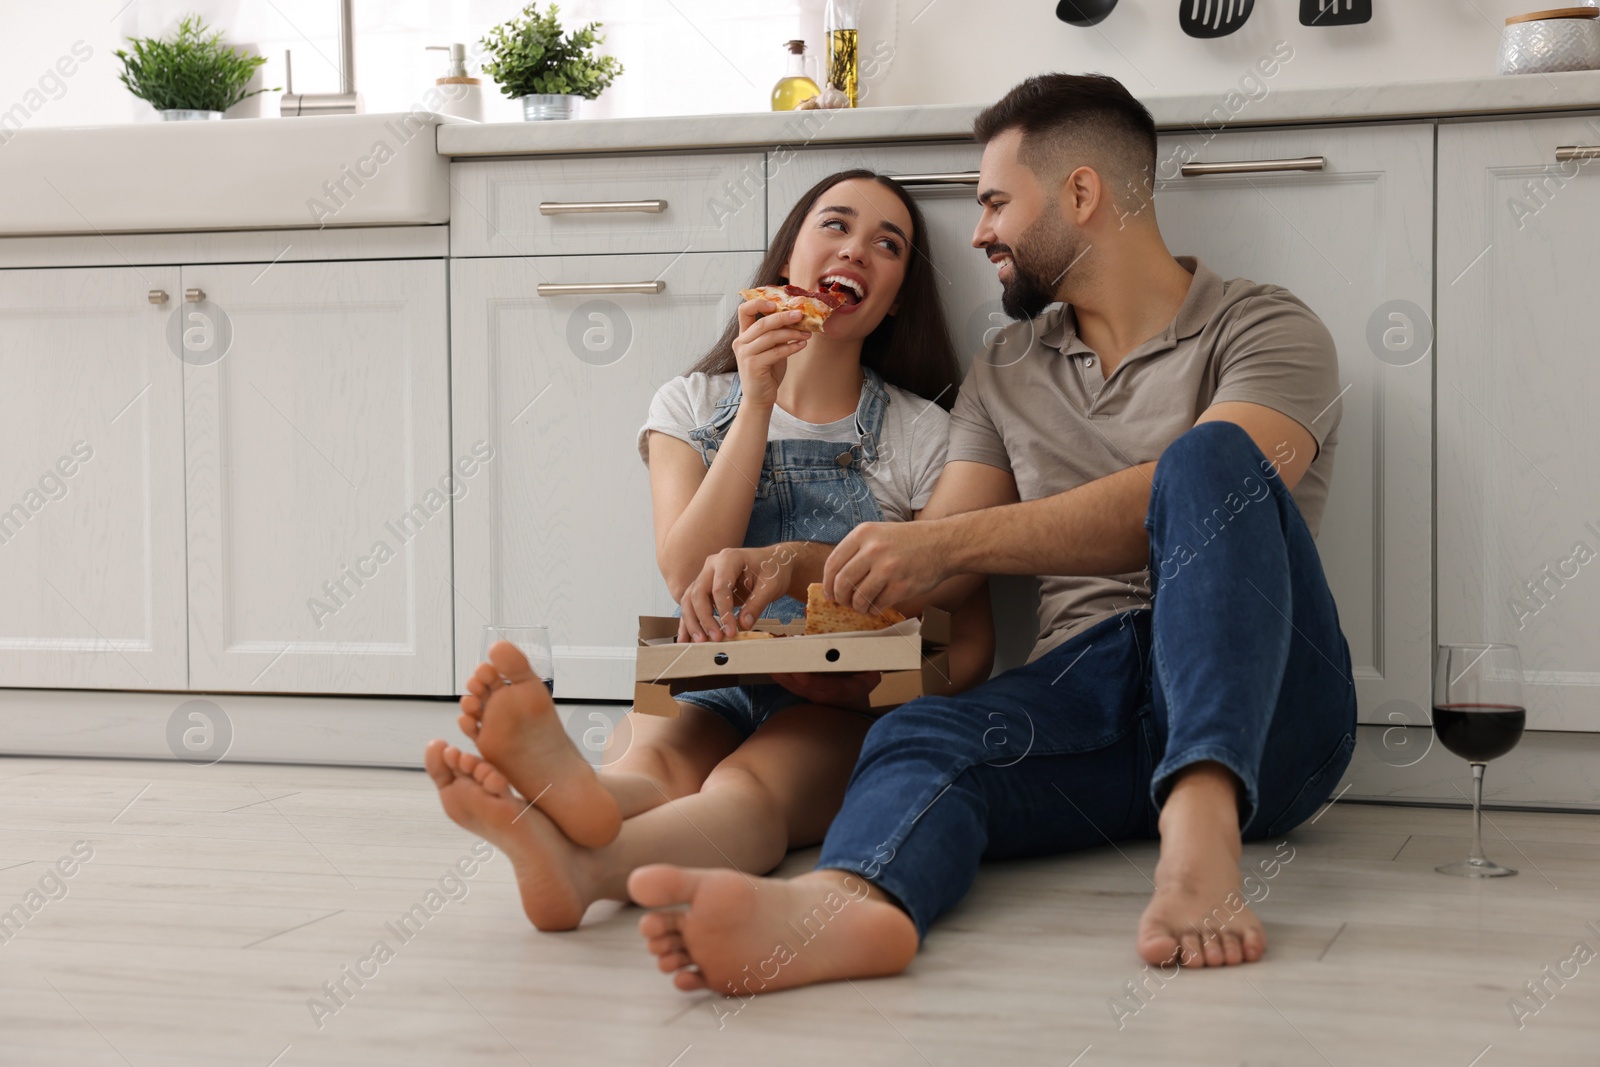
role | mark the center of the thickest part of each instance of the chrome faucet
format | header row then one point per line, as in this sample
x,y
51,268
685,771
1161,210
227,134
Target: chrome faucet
x,y
345,102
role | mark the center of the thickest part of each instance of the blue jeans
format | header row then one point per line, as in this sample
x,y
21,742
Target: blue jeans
x,y
1239,660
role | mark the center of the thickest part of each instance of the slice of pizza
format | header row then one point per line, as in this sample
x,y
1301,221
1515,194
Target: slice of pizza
x,y
815,306
823,616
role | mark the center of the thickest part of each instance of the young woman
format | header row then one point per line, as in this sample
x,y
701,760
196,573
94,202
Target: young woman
x,y
776,435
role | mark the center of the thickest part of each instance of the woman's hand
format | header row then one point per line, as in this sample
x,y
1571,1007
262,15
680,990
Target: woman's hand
x,y
763,347
835,689
754,577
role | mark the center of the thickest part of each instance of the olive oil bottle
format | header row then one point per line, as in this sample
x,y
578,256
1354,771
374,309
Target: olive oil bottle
x,y
794,86
842,21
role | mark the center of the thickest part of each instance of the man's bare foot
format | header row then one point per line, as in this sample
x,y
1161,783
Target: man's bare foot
x,y
508,711
550,871
1198,912
757,935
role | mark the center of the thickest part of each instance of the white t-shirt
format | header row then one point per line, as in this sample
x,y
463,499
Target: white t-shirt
x,y
912,445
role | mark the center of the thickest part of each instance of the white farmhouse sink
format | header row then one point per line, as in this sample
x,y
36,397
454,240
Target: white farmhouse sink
x,y
236,174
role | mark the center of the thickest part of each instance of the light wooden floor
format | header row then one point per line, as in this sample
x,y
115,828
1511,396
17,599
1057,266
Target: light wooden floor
x,y
220,899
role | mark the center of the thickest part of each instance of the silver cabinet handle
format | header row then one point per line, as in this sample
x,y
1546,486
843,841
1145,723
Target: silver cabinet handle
x,y
591,288
968,177
158,296
194,296
1254,166
1582,151
592,207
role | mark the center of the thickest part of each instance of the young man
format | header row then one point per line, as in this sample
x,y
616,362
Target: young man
x,y
1158,450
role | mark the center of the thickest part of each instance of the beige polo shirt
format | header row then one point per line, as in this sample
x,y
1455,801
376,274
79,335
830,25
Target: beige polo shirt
x,y
1036,403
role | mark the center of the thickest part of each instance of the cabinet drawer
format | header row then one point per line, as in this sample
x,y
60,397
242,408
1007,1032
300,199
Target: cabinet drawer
x,y
611,204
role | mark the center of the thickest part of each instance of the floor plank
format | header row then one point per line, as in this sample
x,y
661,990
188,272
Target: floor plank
x,y
219,900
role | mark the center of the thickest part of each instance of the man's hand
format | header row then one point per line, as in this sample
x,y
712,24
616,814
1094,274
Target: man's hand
x,y
881,564
835,689
752,577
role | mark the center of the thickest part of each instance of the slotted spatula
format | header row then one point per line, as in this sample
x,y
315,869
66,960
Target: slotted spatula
x,y
1084,12
1213,18
1335,12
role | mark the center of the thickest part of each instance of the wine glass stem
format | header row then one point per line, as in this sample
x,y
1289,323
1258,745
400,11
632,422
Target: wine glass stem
x,y
1477,813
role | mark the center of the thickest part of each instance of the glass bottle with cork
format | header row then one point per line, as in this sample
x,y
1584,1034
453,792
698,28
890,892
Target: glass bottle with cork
x,y
842,22
796,85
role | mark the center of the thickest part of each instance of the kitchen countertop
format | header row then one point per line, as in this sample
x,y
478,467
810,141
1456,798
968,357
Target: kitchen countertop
x,y
1568,91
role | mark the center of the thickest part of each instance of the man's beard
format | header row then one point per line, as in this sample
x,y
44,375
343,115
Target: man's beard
x,y
1038,263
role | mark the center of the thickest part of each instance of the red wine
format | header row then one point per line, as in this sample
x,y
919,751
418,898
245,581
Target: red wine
x,y
1479,733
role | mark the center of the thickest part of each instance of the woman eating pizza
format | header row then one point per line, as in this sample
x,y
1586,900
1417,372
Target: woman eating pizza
x,y
823,405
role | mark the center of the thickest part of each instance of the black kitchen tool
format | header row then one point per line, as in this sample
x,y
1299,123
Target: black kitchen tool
x,y
1213,18
1335,12
1084,12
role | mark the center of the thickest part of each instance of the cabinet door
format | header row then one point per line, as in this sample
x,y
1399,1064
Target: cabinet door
x,y
91,500
557,529
1519,489
968,288
320,479
1349,240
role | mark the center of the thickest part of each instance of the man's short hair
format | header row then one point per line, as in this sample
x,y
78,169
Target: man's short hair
x,y
1072,120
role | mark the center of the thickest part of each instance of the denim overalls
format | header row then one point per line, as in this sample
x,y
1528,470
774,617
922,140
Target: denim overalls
x,y
808,491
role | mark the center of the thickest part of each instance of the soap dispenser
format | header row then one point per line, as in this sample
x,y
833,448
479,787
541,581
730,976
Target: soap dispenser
x,y
456,94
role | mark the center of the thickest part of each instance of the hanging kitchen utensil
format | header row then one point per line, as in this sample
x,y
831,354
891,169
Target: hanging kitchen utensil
x,y
1213,18
1084,12
1335,12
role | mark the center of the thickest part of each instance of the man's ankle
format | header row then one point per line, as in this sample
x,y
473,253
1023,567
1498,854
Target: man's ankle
x,y
1206,786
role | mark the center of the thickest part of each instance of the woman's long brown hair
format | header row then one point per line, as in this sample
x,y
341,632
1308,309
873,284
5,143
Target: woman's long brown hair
x,y
911,348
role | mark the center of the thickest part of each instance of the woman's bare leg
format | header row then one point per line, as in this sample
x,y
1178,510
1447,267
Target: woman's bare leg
x,y
509,713
651,759
778,790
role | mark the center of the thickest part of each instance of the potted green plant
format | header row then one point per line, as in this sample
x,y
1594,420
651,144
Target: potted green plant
x,y
190,75
549,71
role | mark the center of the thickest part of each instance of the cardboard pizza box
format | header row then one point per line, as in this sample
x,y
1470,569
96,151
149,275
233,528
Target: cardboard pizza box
x,y
912,655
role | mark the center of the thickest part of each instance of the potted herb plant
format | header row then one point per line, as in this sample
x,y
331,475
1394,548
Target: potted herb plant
x,y
190,75
549,71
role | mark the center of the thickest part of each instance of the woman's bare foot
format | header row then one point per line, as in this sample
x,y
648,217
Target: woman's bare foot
x,y
508,711
550,871
1198,912
757,935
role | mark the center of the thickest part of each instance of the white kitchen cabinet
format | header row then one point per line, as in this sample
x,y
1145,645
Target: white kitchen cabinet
x,y
1518,486
967,286
556,528
319,480
618,205
1348,239
91,500
1345,239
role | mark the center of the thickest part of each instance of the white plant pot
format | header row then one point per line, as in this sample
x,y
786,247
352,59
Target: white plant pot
x,y
538,107
187,115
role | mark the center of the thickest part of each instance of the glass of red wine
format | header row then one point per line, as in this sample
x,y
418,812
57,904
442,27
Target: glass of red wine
x,y
531,641
1478,713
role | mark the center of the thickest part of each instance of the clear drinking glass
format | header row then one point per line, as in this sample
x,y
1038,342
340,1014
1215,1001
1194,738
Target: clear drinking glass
x,y
1478,713
532,641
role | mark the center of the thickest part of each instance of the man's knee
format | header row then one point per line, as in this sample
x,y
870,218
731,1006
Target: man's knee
x,y
1209,447
1214,467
